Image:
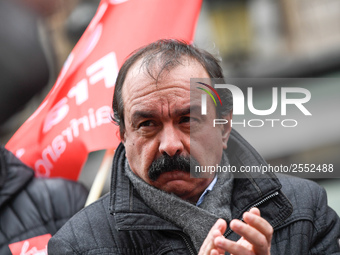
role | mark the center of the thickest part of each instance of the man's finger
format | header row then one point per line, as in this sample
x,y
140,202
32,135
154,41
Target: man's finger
x,y
254,219
217,230
260,242
232,247
255,211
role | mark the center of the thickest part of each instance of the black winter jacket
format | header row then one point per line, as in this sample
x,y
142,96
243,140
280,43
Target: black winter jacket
x,y
121,223
31,207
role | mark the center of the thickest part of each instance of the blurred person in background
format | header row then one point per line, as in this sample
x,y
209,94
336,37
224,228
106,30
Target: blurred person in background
x,y
24,67
33,46
33,207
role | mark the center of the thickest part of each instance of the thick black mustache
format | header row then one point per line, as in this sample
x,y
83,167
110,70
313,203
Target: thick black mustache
x,y
166,164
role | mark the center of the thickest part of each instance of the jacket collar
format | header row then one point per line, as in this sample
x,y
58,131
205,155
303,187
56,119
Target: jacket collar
x,y
262,190
14,175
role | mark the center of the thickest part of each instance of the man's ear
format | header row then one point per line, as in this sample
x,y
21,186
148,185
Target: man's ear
x,y
226,129
122,137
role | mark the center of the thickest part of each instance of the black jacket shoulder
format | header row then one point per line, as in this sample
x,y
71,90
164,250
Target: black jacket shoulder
x,y
30,206
312,221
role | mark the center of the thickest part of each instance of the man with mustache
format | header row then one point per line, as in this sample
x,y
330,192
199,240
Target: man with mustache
x,y
156,207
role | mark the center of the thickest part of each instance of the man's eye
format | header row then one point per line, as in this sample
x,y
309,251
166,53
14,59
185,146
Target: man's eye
x,y
185,119
188,119
147,123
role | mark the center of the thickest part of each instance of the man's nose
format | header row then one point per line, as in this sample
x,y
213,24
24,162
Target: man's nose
x,y
170,141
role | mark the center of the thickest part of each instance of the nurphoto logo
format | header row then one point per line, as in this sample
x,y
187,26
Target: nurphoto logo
x,y
281,99
204,97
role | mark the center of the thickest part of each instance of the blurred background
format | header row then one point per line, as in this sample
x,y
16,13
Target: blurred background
x,y
254,39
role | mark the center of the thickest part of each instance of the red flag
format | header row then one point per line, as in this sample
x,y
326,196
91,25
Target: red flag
x,y
33,246
74,117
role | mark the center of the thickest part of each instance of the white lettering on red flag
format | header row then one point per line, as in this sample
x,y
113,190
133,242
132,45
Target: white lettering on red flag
x,y
33,246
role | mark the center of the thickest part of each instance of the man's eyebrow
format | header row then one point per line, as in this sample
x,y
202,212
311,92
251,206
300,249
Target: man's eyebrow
x,y
195,108
142,115
152,114
181,112
187,110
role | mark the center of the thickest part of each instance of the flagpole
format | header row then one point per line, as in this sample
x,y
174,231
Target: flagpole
x,y
100,178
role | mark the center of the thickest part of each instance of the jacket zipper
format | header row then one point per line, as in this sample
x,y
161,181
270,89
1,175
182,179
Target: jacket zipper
x,y
255,205
187,243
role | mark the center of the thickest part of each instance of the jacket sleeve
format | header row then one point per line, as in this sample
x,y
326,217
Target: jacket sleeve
x,y
71,199
88,232
327,228
59,246
58,200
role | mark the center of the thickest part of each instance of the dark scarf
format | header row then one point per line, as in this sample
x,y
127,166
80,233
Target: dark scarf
x,y
196,221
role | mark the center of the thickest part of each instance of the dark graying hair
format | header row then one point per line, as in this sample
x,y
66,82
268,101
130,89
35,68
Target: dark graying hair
x,y
167,54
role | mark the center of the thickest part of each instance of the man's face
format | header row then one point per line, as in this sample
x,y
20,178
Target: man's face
x,y
161,119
